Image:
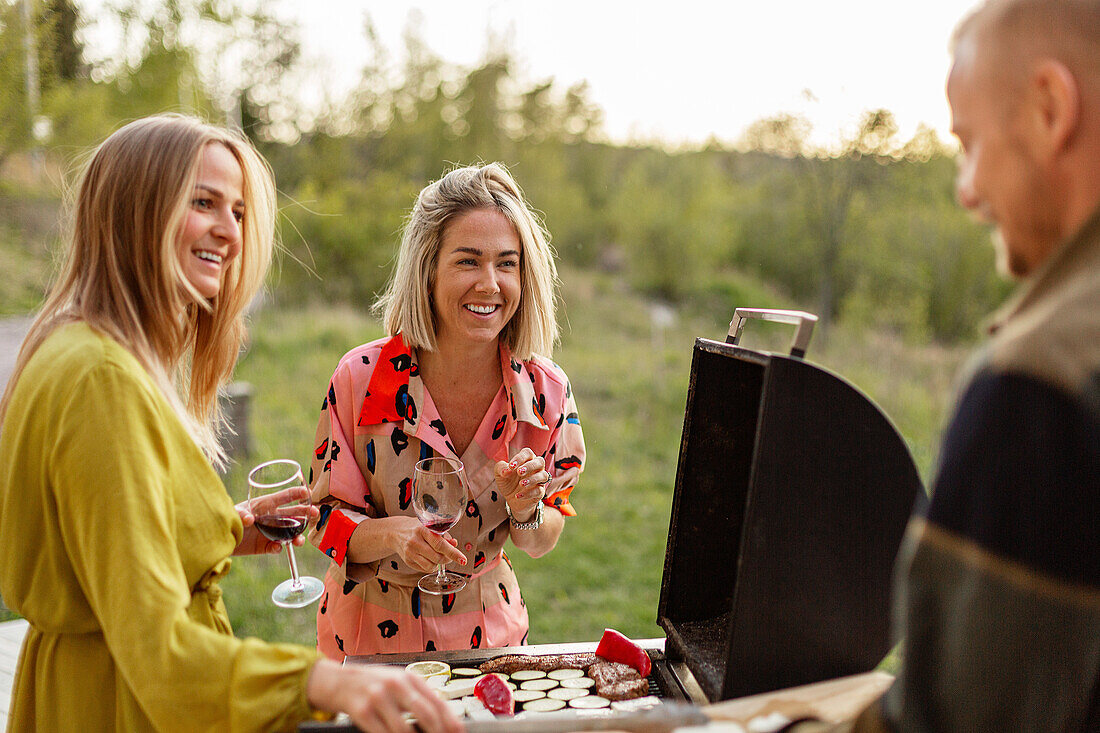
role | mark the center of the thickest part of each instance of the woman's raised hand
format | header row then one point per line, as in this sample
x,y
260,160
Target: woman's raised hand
x,y
420,548
376,698
522,480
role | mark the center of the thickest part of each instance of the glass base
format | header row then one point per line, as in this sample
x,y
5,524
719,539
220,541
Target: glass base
x,y
307,591
450,583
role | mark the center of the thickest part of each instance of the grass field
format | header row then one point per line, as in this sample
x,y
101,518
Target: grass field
x,y
630,378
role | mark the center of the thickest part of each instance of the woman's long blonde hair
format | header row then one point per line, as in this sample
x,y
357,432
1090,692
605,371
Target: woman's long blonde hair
x,y
122,275
406,304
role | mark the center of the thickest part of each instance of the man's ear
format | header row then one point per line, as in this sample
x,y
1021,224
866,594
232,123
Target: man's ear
x,y
1057,105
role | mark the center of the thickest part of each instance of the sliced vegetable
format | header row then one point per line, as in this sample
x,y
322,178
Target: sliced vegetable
x,y
566,693
590,702
494,692
543,705
578,683
465,672
615,647
456,688
565,674
522,696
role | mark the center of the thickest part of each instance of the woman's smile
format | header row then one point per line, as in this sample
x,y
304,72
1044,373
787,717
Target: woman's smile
x,y
482,310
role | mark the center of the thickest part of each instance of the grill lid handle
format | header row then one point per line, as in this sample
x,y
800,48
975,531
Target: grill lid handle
x,y
805,322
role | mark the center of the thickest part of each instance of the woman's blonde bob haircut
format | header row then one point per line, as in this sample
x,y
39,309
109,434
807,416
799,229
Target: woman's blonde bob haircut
x,y
406,306
122,275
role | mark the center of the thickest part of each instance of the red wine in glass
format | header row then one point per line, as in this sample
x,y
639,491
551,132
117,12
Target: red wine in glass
x,y
282,512
439,499
439,527
279,529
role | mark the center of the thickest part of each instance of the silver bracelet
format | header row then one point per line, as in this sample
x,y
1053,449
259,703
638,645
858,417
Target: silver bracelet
x,y
535,523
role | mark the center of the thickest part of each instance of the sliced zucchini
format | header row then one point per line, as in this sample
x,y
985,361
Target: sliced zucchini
x,y
522,696
579,683
589,702
457,688
539,684
465,672
522,675
558,674
566,693
544,705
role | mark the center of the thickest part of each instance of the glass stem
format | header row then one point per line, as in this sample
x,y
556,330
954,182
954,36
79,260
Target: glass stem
x,y
441,575
295,582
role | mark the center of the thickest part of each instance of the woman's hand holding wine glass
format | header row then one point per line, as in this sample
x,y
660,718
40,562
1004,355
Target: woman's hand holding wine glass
x,y
279,502
439,500
253,542
420,548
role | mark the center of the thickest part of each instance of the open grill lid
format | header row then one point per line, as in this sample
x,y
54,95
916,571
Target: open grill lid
x,y
792,494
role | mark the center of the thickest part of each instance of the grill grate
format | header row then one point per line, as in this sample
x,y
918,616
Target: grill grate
x,y
654,688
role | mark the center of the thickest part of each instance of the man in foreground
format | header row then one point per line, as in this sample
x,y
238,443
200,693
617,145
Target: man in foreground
x,y
999,582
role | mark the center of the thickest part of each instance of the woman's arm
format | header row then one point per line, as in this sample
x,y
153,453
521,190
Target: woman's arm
x,y
538,542
421,549
523,481
527,479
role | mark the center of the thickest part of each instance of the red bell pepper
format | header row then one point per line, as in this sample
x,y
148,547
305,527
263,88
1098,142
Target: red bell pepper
x,y
496,695
614,647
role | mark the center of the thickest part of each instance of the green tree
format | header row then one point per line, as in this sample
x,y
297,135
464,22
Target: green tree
x,y
63,20
828,185
17,121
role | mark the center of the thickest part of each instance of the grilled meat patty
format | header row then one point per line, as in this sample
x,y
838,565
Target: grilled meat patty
x,y
626,689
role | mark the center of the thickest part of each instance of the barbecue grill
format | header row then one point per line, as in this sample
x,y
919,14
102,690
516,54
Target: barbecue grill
x,y
792,494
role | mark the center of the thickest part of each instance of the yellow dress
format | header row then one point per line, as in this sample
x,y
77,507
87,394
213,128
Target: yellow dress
x,y
114,532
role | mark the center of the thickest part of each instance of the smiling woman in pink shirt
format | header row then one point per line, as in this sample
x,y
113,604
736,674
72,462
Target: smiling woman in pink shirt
x,y
463,373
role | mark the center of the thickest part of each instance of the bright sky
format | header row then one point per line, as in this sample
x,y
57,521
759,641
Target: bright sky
x,y
686,70
678,70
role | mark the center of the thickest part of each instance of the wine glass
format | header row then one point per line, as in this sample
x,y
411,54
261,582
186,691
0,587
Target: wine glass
x,y
439,499
281,516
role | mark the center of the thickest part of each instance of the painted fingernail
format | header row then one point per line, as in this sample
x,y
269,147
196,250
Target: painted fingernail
x,y
522,471
524,482
512,465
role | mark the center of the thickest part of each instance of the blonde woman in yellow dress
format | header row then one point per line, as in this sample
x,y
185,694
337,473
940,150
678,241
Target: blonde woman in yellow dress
x,y
114,528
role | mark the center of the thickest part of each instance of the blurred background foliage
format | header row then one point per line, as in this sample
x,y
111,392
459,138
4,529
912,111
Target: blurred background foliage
x,y
864,231
657,243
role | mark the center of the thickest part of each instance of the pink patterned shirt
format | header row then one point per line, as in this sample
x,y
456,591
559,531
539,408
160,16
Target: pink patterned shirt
x,y
377,421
